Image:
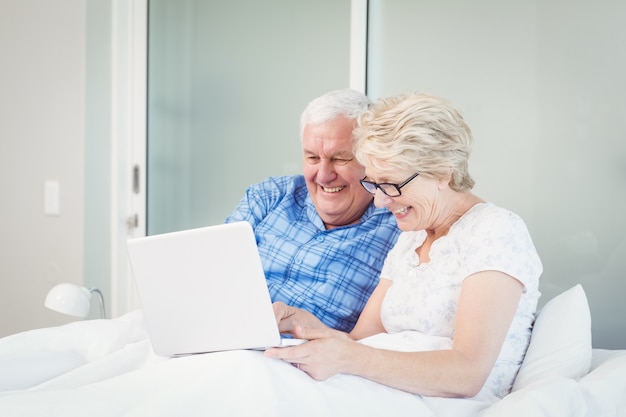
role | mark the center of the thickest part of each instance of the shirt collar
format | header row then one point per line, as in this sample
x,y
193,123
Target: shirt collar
x,y
315,218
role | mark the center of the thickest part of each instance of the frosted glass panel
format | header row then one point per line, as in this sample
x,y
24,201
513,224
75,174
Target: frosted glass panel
x,y
227,83
542,85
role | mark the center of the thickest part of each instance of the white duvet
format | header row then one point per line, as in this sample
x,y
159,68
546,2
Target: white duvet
x,y
107,368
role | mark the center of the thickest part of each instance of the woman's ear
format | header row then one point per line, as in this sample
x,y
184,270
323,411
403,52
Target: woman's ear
x,y
444,182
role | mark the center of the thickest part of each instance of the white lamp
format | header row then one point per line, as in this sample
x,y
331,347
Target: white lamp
x,y
73,300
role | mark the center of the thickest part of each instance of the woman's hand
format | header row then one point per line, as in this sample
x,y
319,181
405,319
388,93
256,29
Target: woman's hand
x,y
327,352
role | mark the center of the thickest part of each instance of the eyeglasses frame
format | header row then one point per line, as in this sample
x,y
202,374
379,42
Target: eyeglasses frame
x,y
396,186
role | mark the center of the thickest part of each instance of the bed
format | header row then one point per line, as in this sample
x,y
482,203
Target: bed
x,y
108,368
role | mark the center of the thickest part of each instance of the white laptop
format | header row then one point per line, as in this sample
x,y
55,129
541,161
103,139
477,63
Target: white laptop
x,y
204,290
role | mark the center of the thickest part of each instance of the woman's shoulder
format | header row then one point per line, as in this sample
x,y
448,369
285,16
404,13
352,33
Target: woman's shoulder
x,y
489,222
487,208
489,213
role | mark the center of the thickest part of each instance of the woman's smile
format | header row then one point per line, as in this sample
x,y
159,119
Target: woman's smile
x,y
400,211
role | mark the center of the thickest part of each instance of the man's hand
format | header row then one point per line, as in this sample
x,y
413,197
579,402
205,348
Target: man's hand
x,y
288,317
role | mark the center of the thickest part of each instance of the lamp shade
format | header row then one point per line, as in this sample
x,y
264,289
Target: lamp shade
x,y
69,299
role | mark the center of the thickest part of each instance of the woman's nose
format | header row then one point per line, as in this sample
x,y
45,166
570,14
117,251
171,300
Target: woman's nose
x,y
381,199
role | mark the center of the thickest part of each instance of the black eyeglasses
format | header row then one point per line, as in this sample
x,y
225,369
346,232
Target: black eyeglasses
x,y
392,190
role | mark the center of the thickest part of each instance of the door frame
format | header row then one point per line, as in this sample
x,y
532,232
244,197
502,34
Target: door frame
x,y
129,52
129,130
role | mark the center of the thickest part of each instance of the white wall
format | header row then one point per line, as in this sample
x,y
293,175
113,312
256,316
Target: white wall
x,y
42,132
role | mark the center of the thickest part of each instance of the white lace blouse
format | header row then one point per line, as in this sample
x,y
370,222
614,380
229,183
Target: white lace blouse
x,y
424,296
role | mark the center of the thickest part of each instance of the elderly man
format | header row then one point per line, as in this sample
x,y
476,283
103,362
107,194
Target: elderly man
x,y
321,239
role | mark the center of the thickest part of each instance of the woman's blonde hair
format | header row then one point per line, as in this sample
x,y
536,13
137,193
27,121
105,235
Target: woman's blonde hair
x,y
415,133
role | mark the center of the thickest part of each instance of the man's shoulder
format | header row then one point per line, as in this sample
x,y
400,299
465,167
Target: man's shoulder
x,y
283,184
379,215
280,191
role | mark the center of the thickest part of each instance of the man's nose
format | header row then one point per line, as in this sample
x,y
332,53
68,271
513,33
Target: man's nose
x,y
326,171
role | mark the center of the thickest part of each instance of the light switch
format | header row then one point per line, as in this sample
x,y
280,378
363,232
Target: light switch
x,y
51,195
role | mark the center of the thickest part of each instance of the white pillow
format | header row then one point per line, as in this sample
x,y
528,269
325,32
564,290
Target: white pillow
x,y
561,340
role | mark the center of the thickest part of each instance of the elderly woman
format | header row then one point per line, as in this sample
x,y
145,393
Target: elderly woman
x,y
461,283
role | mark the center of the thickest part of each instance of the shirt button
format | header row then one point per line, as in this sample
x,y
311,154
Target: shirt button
x,y
298,261
320,238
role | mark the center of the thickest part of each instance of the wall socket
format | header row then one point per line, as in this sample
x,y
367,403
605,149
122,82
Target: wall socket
x,y
51,197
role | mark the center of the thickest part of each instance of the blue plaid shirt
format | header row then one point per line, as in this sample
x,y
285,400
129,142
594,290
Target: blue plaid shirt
x,y
330,273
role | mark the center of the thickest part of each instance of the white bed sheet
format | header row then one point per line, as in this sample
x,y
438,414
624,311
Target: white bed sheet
x,y
107,368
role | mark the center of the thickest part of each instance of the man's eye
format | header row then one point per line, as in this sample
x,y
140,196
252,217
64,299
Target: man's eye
x,y
312,159
342,161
